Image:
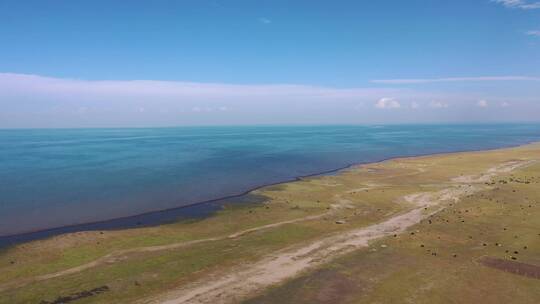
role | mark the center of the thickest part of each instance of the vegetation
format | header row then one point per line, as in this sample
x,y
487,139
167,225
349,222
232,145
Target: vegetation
x,y
438,260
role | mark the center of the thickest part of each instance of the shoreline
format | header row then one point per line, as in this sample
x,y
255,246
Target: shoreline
x,y
201,209
413,214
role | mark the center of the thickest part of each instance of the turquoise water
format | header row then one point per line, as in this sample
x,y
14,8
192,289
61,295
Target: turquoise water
x,y
55,178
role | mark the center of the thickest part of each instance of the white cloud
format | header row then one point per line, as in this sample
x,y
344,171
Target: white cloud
x,y
455,79
209,109
533,33
359,106
522,4
482,103
35,86
36,101
264,20
504,104
438,105
387,103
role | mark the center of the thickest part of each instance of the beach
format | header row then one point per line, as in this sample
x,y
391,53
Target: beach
x,y
431,228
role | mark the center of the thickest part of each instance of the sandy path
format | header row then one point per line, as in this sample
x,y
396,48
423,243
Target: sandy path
x,y
340,204
286,264
247,280
423,199
120,255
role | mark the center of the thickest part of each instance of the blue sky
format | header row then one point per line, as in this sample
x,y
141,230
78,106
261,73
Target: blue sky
x,y
72,63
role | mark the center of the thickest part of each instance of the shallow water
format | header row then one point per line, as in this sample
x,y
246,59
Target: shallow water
x,y
54,178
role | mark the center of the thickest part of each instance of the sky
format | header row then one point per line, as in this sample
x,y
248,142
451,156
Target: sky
x,y
158,63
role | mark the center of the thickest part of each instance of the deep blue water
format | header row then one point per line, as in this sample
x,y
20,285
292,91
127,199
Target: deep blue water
x,y
53,178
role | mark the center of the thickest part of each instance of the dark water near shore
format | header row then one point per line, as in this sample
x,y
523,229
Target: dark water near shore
x,y
55,178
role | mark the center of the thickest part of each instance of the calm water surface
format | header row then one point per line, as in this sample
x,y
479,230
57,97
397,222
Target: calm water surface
x,y
54,178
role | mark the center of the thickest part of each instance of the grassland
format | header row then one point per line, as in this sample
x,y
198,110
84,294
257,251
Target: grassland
x,y
437,260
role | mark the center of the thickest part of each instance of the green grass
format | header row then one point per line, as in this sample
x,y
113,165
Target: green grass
x,y
406,271
400,271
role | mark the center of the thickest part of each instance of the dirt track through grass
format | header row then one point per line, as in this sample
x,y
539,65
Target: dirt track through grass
x,y
248,280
